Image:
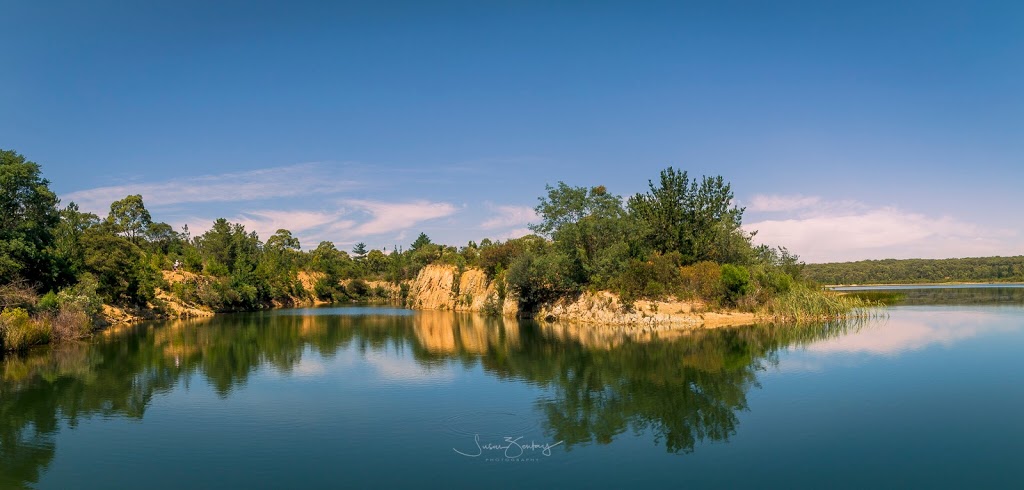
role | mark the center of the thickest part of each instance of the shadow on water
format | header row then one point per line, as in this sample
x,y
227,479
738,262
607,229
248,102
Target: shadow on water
x,y
682,387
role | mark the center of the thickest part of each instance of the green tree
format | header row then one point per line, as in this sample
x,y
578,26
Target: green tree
x,y
590,228
28,216
359,251
120,266
161,237
280,262
130,218
329,260
421,241
376,262
423,252
663,210
696,219
565,205
715,233
68,251
283,240
541,276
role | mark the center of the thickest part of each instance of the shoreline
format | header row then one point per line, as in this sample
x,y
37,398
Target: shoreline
x,y
925,284
446,288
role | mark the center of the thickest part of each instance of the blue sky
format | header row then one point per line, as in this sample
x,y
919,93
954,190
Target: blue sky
x,y
849,130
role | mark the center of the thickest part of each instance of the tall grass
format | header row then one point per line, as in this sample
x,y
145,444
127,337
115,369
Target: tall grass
x,y
882,297
803,304
19,331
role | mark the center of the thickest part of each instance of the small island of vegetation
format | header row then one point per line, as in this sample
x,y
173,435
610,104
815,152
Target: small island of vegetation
x,y
62,268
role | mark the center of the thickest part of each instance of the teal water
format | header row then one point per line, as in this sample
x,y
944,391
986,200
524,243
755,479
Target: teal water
x,y
930,396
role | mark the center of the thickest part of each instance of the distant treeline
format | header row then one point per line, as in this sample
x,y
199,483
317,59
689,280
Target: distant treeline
x,y
906,271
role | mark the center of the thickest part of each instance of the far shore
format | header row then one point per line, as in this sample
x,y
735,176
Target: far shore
x,y
924,284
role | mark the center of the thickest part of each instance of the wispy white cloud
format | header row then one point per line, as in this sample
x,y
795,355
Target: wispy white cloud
x,y
306,225
269,183
509,216
513,233
775,203
825,231
358,220
387,217
187,200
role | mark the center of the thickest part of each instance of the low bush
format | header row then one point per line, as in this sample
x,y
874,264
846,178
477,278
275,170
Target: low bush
x,y
48,303
655,278
492,306
70,322
703,281
735,283
83,296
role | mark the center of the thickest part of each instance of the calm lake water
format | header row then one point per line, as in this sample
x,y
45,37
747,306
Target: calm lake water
x,y
931,396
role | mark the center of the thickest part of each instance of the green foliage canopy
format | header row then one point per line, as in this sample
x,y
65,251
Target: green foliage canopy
x,y
129,218
28,216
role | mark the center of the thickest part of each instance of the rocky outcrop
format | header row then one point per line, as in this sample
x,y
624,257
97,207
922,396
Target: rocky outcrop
x,y
444,287
605,308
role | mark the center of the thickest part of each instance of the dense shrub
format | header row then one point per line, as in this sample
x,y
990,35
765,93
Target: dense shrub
x,y
83,296
735,283
357,288
655,278
702,280
70,322
48,303
325,289
123,274
495,258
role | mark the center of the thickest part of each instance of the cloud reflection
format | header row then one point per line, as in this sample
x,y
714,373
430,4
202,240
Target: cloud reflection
x,y
907,330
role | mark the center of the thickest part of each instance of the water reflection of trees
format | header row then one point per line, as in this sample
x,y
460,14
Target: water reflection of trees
x,y
684,390
987,296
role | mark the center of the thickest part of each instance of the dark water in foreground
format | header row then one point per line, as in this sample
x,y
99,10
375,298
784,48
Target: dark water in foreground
x,y
932,396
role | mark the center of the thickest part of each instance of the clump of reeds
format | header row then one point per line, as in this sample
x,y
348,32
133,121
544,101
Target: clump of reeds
x,y
882,297
802,304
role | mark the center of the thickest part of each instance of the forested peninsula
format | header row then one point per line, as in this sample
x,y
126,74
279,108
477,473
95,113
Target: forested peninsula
x,y
593,256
